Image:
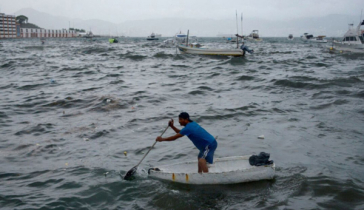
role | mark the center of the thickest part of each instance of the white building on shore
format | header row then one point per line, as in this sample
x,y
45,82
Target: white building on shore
x,y
9,28
46,33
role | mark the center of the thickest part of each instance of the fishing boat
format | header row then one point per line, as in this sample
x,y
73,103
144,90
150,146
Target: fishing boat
x,y
353,40
210,51
254,35
152,37
227,170
290,37
306,37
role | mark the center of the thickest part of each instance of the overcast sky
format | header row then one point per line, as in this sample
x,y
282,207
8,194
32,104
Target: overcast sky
x,y
118,11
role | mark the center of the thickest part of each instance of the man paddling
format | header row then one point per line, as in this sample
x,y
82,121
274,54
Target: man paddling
x,y
243,47
204,141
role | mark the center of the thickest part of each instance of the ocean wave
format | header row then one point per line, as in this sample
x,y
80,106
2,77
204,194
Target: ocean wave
x,y
7,64
36,130
296,84
163,55
32,87
244,78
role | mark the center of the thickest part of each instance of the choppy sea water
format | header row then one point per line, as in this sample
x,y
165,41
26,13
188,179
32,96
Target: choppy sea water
x,y
69,110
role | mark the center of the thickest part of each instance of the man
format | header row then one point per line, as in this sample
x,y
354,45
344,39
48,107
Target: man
x,y
243,47
204,141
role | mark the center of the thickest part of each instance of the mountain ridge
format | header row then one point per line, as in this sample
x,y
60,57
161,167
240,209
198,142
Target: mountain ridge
x,y
331,25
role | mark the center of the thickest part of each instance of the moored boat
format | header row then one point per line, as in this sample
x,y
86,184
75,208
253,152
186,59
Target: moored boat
x,y
152,37
210,51
113,40
227,170
306,37
180,38
254,35
353,40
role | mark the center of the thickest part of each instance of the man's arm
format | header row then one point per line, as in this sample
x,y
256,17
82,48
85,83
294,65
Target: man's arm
x,y
171,124
171,138
239,35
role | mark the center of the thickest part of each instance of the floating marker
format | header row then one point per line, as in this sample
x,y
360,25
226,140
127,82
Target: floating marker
x,y
108,100
106,173
125,153
86,139
261,137
66,164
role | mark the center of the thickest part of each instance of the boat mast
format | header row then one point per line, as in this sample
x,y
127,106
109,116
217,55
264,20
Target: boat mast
x,y
241,24
188,32
237,30
358,29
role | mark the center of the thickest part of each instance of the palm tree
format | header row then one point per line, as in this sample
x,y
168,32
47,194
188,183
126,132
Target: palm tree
x,y
21,19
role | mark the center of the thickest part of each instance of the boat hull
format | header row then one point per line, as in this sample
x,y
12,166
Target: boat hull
x,y
254,39
314,40
204,51
229,170
356,48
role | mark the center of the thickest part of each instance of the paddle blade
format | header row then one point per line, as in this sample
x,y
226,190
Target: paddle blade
x,y
129,175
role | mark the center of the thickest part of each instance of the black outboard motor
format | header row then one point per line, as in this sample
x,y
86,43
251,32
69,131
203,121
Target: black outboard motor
x,y
260,160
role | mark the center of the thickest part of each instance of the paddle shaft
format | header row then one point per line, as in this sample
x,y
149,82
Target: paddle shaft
x,y
151,148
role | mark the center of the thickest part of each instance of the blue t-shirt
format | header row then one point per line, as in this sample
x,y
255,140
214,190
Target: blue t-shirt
x,y
199,136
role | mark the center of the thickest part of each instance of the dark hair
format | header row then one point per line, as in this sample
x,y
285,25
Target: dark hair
x,y
185,115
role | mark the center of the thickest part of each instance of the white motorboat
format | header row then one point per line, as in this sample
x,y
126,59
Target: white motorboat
x,y
152,37
353,40
254,35
290,37
306,37
227,170
210,51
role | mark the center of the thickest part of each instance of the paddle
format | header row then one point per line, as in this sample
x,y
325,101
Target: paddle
x,y
132,171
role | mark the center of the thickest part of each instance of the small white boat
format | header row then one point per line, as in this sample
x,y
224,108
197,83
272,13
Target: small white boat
x,y
254,35
306,37
88,35
169,42
210,51
227,170
353,40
